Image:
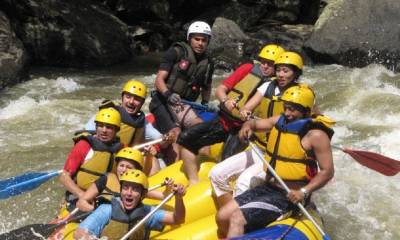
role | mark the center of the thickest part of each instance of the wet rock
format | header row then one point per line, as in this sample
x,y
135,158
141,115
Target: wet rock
x,y
13,58
291,37
228,43
357,36
69,33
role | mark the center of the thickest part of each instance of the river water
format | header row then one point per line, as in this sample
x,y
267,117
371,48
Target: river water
x,y
39,117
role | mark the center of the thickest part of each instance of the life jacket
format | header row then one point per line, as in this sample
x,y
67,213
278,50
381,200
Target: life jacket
x,y
101,162
129,123
121,222
188,76
285,152
243,91
111,189
270,105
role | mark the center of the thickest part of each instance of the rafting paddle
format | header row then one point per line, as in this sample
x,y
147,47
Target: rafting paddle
x,y
282,183
42,231
31,180
129,233
384,165
25,182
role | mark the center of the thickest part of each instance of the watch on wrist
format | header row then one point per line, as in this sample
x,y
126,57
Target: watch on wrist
x,y
305,192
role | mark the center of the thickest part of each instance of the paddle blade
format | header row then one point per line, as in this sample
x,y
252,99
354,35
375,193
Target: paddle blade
x,y
377,162
26,182
33,232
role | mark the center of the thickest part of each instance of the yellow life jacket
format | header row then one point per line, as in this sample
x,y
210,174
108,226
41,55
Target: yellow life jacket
x,y
285,152
101,162
121,222
129,123
243,91
271,105
111,189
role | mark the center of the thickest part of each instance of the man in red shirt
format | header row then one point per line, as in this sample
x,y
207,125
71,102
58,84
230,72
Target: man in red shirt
x,y
233,93
92,155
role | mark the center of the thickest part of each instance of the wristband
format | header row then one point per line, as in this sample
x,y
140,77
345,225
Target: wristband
x,y
305,192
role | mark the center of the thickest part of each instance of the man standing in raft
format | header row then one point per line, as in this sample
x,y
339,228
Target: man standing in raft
x,y
297,146
185,72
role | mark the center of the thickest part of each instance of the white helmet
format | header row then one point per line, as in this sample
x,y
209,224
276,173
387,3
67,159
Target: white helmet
x,y
199,27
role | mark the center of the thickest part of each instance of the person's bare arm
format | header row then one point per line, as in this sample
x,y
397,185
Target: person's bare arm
x,y
321,146
139,136
257,125
320,143
69,184
160,82
86,201
248,108
178,216
222,94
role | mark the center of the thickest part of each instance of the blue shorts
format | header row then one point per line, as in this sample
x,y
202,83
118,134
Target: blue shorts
x,y
262,205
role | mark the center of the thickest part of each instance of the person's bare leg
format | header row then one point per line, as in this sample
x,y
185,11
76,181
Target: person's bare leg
x,y
223,200
174,133
204,151
223,218
236,224
190,165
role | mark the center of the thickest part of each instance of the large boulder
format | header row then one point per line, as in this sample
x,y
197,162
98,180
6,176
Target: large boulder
x,y
357,33
13,58
228,43
69,33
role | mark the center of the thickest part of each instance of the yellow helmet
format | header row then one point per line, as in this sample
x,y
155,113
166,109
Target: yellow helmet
x,y
131,154
271,52
291,58
135,176
300,94
136,88
108,115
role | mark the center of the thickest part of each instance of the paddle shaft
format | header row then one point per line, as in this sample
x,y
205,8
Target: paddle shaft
x,y
156,186
283,184
128,234
140,146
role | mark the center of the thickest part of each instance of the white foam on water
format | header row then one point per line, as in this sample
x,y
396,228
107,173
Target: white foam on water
x,y
19,107
66,85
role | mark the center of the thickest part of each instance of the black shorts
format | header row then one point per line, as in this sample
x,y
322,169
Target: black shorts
x,y
202,134
233,145
262,205
164,120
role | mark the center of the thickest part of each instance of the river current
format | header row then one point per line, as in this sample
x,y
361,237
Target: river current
x,y
38,119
